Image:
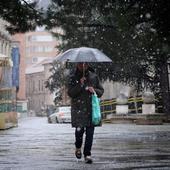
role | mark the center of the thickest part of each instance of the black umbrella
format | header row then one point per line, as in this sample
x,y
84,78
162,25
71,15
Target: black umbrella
x,y
83,55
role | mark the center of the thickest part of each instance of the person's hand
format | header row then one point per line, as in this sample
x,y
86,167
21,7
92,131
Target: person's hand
x,y
91,89
82,80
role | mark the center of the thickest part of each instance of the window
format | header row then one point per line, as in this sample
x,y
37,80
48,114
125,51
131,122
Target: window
x,y
42,85
33,85
39,85
40,38
34,60
48,49
34,49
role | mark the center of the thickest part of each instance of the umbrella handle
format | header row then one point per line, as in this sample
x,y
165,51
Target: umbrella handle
x,y
83,70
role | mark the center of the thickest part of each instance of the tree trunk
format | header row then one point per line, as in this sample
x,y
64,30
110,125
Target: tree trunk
x,y
164,85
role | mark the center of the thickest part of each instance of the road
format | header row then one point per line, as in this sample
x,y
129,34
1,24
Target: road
x,y
37,145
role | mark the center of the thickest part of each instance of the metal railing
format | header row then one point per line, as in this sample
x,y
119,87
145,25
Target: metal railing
x,y
134,105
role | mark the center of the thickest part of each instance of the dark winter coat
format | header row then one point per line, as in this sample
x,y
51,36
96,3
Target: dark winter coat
x,y
81,105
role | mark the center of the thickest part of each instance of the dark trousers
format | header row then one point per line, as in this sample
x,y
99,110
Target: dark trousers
x,y
88,139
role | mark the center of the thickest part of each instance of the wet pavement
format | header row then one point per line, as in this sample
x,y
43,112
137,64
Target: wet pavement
x,y
37,145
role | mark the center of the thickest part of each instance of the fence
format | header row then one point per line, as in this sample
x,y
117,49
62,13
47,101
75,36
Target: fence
x,y
134,106
8,115
7,100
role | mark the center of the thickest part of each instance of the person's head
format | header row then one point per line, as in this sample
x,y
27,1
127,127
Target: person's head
x,y
82,66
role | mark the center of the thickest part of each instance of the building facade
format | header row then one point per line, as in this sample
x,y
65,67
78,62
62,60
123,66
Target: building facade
x,y
34,47
5,55
39,97
39,45
18,42
8,116
40,49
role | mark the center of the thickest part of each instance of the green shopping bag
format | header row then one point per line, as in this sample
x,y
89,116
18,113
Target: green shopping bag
x,y
96,113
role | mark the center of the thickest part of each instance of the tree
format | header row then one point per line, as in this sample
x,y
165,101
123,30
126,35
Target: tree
x,y
21,15
155,13
133,33
56,81
94,24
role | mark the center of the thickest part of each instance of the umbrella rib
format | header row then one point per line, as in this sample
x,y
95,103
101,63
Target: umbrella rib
x,y
77,55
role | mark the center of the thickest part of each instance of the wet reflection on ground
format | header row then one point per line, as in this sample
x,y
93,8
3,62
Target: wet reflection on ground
x,y
35,144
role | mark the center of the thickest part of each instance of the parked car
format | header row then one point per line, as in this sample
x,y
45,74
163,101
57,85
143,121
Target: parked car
x,y
61,115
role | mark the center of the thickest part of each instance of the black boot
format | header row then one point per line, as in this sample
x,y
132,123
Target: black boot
x,y
88,160
78,153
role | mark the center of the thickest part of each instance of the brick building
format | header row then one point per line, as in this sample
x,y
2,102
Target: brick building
x,y
8,116
19,41
39,45
39,97
34,47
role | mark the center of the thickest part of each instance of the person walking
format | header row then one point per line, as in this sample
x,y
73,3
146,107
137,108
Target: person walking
x,y
81,85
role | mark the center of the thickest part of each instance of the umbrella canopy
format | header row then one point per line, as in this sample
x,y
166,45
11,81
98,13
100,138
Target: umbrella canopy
x,y
83,55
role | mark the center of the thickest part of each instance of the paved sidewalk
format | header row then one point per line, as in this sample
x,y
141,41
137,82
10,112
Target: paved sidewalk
x,y
37,145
